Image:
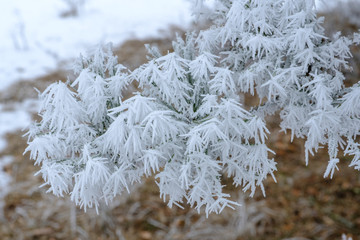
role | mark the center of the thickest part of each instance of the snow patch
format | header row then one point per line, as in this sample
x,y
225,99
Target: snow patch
x,y
11,121
35,37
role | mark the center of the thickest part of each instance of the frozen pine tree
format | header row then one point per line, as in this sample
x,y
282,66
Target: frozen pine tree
x,y
186,125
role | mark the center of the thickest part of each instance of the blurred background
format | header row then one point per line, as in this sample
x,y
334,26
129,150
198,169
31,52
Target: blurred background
x,y
40,39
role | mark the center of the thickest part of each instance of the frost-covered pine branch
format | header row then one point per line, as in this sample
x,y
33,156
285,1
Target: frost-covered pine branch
x,y
186,125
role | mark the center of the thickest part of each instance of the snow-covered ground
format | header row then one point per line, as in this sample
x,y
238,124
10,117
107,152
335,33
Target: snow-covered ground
x,y
35,35
16,119
327,5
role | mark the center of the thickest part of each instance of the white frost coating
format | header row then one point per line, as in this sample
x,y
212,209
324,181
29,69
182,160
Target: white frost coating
x,y
187,125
